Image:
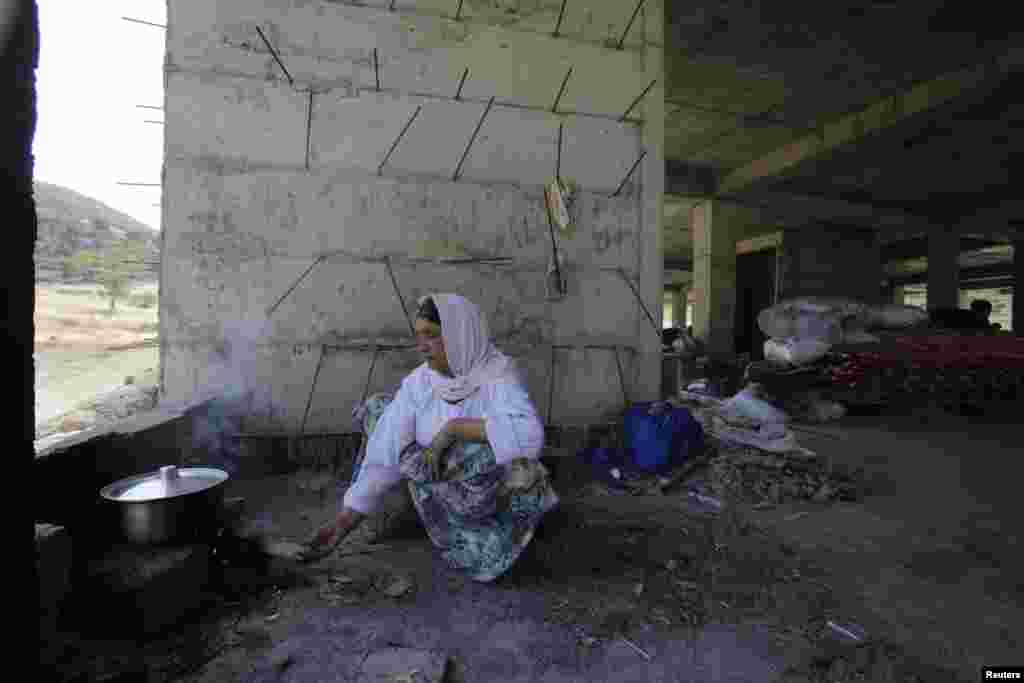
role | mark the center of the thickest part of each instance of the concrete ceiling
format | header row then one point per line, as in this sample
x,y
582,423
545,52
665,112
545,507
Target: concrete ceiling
x,y
897,116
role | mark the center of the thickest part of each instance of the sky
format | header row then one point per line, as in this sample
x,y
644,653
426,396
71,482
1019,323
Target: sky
x,y
94,69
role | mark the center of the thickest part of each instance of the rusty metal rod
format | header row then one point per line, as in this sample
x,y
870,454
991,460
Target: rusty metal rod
x,y
147,23
640,301
312,390
458,12
633,168
462,82
472,139
401,299
380,169
622,378
561,15
636,11
277,58
554,243
369,376
309,125
376,69
273,309
638,98
561,91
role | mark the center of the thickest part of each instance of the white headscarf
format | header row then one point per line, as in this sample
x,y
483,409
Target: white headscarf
x,y
472,357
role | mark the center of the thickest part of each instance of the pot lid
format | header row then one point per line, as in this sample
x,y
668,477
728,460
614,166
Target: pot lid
x,y
167,482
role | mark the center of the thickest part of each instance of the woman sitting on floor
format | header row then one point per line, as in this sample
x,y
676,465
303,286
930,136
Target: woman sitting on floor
x,y
464,433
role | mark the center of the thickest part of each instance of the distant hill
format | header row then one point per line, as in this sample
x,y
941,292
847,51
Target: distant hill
x,y
70,222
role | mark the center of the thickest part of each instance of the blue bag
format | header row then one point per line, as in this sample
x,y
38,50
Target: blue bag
x,y
660,436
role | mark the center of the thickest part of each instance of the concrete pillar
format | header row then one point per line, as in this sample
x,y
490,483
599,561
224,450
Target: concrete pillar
x,y
679,306
647,382
943,269
714,275
1017,298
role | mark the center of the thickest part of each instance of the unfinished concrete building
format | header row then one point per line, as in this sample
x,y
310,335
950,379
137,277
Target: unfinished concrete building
x,y
329,162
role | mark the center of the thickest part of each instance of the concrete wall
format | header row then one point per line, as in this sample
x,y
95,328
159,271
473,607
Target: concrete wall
x,y
244,217
819,260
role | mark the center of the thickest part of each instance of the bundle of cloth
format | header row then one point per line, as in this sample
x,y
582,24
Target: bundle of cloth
x,y
803,330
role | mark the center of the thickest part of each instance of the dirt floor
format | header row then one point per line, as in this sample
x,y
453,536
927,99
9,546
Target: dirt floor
x,y
81,351
925,570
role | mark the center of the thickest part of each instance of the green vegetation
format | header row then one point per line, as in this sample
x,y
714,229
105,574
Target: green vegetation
x,y
113,268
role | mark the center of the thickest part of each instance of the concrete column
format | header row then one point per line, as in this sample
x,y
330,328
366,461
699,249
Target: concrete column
x,y
714,275
943,269
647,375
1017,298
679,306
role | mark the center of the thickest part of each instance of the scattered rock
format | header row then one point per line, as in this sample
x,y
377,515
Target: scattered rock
x,y
282,662
129,379
285,550
393,586
403,665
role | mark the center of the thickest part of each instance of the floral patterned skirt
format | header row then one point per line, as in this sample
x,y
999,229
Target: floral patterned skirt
x,y
481,516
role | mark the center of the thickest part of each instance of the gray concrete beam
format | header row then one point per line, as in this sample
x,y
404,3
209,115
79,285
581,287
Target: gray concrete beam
x,y
883,114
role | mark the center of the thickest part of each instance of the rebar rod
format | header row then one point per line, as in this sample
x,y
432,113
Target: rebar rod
x,y
274,54
561,91
638,98
630,173
302,277
472,139
401,299
394,145
636,11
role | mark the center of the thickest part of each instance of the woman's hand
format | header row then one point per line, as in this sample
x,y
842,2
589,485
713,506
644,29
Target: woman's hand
x,y
434,455
330,535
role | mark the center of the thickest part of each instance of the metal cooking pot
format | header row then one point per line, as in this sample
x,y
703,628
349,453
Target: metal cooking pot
x,y
168,505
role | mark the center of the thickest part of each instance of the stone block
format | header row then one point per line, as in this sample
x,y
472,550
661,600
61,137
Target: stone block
x,y
403,665
147,589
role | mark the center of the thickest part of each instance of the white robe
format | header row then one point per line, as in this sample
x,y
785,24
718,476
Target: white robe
x,y
513,430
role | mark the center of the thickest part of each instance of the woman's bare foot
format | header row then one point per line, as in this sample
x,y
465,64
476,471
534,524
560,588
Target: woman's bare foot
x,y
330,535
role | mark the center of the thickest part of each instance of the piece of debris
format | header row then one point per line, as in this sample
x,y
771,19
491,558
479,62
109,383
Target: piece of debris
x,y
671,565
636,648
274,617
285,550
588,641
393,586
795,516
851,632
403,665
282,662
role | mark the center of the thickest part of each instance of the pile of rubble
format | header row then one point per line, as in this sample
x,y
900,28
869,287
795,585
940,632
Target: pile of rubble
x,y
755,477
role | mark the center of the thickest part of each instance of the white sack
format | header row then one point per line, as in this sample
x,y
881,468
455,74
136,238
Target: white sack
x,y
795,350
748,405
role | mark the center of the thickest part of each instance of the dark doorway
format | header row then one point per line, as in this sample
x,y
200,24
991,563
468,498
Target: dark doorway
x,y
755,291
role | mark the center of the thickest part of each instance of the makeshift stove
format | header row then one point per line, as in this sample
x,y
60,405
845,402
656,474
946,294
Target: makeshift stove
x,y
179,542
